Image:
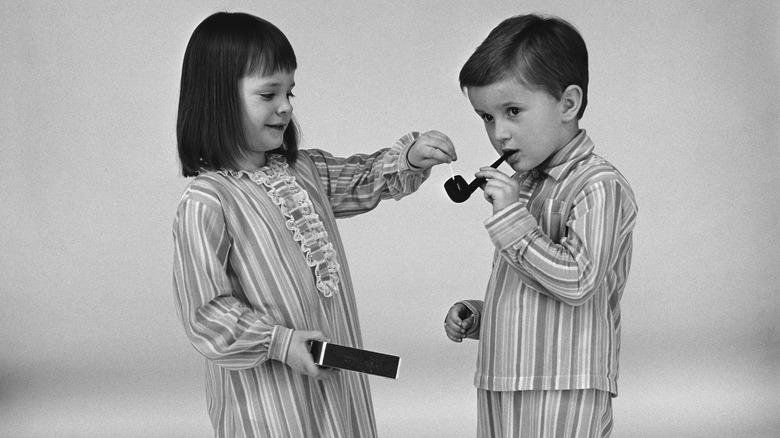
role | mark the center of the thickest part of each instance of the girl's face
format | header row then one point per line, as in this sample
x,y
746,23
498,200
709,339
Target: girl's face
x,y
529,122
266,110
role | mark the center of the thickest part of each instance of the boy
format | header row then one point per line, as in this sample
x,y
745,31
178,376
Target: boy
x,y
549,327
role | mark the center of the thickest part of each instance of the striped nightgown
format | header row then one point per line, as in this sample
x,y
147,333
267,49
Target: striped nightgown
x,y
242,285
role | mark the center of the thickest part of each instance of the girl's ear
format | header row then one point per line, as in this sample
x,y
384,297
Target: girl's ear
x,y
571,100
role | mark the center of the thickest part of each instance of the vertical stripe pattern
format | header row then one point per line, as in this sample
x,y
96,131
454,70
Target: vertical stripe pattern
x,y
551,315
242,285
584,413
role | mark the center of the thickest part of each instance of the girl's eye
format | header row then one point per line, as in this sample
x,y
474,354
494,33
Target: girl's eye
x,y
267,96
487,118
290,94
514,111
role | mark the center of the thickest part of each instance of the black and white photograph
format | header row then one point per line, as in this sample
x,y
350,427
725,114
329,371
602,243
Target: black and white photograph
x,y
360,219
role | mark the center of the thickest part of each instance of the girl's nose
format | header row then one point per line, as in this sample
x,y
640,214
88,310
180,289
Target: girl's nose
x,y
285,107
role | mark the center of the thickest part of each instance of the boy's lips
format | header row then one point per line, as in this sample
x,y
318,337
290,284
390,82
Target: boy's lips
x,y
512,154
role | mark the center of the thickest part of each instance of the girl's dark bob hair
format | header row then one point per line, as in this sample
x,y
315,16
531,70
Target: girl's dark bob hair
x,y
224,48
542,52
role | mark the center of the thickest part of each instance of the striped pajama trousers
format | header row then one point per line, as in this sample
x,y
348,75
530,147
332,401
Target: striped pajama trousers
x,y
544,414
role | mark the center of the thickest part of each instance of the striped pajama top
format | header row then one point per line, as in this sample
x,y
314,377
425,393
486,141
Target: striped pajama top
x,y
550,319
242,285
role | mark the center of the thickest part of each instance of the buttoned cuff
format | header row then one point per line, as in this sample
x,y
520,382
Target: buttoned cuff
x,y
280,343
510,225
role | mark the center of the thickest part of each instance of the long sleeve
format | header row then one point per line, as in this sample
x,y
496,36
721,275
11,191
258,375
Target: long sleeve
x,y
242,287
356,184
597,232
551,316
217,321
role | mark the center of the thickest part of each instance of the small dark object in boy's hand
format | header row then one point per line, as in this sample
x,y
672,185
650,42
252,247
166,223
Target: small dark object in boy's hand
x,y
459,190
456,188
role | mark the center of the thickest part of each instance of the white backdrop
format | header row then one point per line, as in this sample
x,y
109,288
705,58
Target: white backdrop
x,y
683,99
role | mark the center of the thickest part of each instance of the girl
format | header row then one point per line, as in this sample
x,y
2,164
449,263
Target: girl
x,y
259,267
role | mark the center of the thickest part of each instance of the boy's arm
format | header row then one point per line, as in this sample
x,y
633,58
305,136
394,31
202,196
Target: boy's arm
x,y
356,184
598,232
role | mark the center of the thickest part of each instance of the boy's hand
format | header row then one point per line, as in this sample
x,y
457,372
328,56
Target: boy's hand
x,y
500,189
458,321
299,357
431,148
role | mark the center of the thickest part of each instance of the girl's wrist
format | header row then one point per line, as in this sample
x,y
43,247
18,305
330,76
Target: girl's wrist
x,y
408,160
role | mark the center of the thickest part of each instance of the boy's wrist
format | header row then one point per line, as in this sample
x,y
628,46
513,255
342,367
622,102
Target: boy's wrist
x,y
474,307
499,206
509,225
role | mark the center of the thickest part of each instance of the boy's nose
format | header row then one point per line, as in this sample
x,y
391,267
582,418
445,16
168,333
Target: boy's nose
x,y
501,132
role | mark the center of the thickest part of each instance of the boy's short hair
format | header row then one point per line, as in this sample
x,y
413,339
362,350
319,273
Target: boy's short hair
x,y
224,48
543,52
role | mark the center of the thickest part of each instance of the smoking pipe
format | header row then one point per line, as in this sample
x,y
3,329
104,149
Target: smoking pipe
x,y
459,190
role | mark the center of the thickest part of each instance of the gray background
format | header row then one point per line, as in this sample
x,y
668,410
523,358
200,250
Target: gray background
x,y
683,99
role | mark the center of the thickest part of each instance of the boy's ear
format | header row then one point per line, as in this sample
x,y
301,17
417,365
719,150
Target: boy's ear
x,y
571,100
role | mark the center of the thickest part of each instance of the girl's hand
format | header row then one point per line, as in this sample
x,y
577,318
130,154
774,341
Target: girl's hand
x,y
458,321
299,358
431,148
500,189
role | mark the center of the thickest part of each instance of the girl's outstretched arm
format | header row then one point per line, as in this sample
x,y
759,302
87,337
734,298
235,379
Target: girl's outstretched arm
x,y
356,184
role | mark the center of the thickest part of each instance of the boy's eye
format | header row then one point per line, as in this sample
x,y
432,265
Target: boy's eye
x,y
487,118
290,94
514,111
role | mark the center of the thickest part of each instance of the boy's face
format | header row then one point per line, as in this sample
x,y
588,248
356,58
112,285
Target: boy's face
x,y
527,121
